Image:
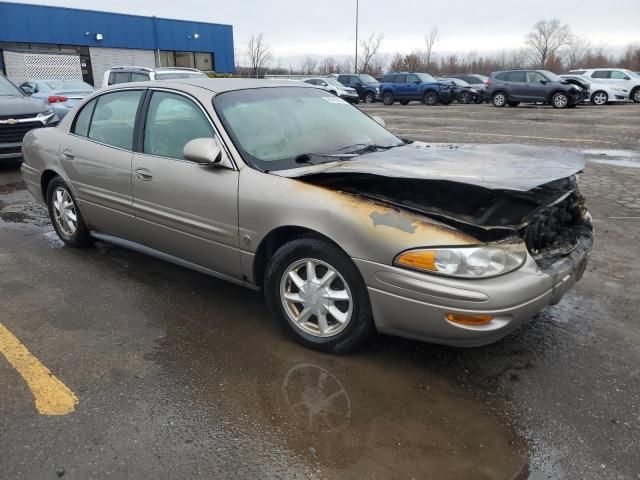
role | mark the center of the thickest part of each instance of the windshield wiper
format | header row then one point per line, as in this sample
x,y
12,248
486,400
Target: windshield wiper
x,y
368,148
306,157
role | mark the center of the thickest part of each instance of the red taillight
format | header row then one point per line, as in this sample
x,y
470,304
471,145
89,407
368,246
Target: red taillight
x,y
57,98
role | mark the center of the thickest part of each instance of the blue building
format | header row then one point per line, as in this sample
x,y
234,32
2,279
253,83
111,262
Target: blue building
x,y
52,42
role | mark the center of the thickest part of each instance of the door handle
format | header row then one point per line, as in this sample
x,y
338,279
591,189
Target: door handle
x,y
68,154
143,174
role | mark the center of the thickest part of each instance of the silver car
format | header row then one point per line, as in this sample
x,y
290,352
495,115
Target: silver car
x,y
346,227
62,95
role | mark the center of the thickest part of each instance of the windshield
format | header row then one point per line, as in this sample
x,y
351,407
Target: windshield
x,y
68,85
550,75
174,75
272,127
425,77
8,88
368,79
333,81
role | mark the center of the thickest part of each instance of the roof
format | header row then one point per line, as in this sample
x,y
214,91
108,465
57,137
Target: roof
x,y
218,85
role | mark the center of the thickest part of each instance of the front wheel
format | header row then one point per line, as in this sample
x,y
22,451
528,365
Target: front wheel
x,y
599,98
430,98
65,215
387,98
635,95
318,294
369,97
559,100
465,97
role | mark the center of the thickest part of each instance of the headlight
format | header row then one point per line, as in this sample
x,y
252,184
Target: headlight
x,y
481,261
45,114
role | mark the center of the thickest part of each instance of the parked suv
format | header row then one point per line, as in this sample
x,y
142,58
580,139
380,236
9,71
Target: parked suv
x,y
618,77
404,87
18,115
511,87
368,88
144,74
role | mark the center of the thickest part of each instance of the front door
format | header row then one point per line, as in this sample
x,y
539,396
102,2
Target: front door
x,y
97,158
537,86
412,87
184,209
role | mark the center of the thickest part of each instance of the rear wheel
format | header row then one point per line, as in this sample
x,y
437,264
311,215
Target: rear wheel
x,y
387,98
499,99
599,98
513,104
635,95
559,100
404,102
318,294
65,215
430,98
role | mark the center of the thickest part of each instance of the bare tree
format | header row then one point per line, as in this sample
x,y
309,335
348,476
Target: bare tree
x,y
259,53
430,41
546,39
308,66
328,66
370,50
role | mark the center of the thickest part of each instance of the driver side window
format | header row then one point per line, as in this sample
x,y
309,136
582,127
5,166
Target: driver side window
x,y
173,121
535,77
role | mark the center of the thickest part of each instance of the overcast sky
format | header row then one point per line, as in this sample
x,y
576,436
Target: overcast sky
x,y
326,27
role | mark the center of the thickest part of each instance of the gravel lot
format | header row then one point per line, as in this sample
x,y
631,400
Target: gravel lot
x,y
179,375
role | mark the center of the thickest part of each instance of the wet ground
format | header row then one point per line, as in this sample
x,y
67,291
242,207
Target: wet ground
x,y
179,375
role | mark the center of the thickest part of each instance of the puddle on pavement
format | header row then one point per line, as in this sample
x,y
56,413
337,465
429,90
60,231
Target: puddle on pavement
x,y
368,415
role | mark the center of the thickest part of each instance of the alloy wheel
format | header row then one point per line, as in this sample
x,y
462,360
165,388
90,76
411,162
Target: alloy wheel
x,y
636,96
499,100
560,101
369,98
600,98
64,211
316,298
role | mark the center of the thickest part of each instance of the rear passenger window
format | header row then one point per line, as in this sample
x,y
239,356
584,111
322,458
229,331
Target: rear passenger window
x,y
601,74
114,118
516,77
81,124
172,122
387,79
400,79
139,77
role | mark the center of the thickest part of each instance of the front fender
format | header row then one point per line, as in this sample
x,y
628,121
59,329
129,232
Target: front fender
x,y
363,228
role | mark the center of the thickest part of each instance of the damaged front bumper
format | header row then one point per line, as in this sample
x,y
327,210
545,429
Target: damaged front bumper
x,y
414,305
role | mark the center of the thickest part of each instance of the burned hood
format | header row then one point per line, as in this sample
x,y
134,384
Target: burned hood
x,y
495,167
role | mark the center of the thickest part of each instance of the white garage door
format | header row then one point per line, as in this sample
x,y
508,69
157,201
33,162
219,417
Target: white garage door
x,y
22,66
102,59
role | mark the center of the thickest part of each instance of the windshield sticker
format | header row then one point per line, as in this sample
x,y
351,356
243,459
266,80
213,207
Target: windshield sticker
x,y
334,99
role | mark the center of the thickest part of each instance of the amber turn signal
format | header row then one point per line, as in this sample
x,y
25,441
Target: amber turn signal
x,y
468,319
422,259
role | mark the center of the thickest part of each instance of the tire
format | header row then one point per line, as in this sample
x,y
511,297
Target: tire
x,y
341,335
387,98
430,98
369,97
559,100
513,104
404,102
499,99
599,98
635,95
465,97
72,232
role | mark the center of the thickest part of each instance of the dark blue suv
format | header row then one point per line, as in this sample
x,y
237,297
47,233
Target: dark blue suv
x,y
404,87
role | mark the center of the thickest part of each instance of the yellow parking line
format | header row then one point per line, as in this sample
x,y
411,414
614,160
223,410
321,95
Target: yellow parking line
x,y
503,135
52,396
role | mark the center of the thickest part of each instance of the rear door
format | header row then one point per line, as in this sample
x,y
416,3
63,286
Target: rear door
x,y
97,155
184,209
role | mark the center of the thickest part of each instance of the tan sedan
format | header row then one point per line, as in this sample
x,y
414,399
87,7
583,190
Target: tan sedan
x,y
345,226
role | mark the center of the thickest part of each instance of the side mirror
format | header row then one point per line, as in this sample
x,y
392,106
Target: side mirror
x,y
544,82
26,90
204,151
417,82
379,120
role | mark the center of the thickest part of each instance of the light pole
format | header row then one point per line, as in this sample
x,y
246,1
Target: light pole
x,y
356,61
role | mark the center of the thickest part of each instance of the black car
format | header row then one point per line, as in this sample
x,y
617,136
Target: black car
x,y
368,88
511,87
463,91
18,115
